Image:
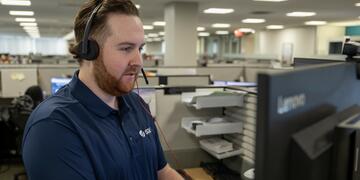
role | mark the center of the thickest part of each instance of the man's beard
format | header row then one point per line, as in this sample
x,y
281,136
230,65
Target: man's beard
x,y
108,82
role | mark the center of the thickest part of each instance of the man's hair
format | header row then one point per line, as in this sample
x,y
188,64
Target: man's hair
x,y
99,29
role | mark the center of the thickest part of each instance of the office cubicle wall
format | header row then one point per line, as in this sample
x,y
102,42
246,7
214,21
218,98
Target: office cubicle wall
x,y
15,81
222,73
175,80
46,72
188,80
153,81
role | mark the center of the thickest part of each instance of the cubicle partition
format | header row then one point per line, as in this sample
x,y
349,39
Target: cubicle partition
x,y
16,79
46,72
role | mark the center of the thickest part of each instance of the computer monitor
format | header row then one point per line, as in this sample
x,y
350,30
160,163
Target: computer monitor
x,y
291,103
57,83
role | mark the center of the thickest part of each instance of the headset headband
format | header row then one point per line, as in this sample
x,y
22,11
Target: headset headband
x,y
88,28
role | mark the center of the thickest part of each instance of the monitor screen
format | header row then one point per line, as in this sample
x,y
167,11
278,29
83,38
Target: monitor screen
x,y
57,83
290,102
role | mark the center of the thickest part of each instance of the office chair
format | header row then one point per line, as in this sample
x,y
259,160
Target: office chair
x,y
36,94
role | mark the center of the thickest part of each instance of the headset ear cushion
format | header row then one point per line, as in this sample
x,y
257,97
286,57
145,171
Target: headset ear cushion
x,y
93,50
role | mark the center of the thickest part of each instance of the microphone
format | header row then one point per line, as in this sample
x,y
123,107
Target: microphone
x,y
144,75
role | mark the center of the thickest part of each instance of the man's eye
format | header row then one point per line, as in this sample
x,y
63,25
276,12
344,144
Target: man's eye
x,y
141,49
126,49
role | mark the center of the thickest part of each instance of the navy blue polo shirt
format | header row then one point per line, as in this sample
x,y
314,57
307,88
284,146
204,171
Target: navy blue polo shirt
x,y
74,135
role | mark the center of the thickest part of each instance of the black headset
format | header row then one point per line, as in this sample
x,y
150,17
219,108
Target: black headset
x,y
88,49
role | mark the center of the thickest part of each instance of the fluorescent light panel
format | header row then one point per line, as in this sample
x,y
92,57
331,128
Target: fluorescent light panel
x,y
271,0
25,19
21,13
220,25
153,35
28,24
314,23
161,33
159,23
246,30
200,29
30,28
203,34
253,21
148,27
222,32
15,2
301,14
275,27
218,11
357,4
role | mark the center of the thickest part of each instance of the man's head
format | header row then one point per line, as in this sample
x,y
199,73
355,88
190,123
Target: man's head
x,y
118,31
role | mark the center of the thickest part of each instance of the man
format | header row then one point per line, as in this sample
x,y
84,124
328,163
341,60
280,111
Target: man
x,y
95,127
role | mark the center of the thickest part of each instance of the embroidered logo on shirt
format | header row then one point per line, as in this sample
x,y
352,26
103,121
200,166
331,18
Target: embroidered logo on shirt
x,y
145,132
142,133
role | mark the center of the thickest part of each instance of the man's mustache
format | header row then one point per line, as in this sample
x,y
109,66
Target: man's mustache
x,y
133,69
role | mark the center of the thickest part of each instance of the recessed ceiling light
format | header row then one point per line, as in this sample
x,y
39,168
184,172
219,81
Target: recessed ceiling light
x,y
203,34
275,27
148,27
137,6
28,24
220,25
222,32
157,39
30,27
357,4
25,19
153,35
314,23
159,23
15,2
301,14
271,0
250,20
21,13
246,30
218,11
200,29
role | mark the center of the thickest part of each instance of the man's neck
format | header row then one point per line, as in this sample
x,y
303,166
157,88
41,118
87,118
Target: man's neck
x,y
89,80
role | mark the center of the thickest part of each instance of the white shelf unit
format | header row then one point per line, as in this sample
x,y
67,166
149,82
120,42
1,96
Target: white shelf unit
x,y
235,152
207,128
201,100
230,126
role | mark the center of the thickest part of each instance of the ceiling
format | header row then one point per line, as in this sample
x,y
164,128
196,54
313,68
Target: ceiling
x,y
55,17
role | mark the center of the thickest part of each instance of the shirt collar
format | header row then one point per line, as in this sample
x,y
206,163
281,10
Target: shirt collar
x,y
92,102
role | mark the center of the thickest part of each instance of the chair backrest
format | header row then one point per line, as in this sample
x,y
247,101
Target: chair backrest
x,y
36,94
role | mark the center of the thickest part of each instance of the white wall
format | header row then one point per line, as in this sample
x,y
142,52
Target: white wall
x,y
153,47
303,39
326,34
23,45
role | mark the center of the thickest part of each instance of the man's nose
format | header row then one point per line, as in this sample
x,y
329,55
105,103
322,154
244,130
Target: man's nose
x,y
137,59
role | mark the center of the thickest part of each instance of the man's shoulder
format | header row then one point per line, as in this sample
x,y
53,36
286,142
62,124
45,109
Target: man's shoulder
x,y
52,108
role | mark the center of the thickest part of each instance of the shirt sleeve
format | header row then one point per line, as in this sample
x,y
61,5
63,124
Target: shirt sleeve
x,y
52,151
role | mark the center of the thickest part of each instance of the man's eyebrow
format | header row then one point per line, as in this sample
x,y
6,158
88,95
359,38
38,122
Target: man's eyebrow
x,y
129,44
